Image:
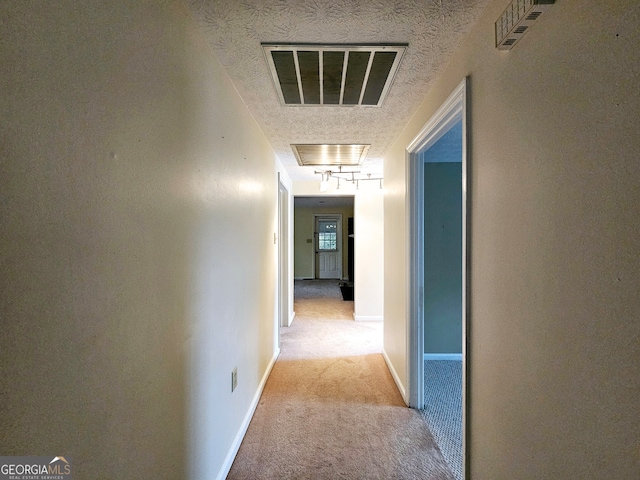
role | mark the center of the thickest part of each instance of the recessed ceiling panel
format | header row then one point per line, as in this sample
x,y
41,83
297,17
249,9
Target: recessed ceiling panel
x,y
323,154
344,75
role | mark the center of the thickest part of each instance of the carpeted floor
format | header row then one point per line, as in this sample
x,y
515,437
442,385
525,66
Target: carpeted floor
x,y
443,409
330,408
315,289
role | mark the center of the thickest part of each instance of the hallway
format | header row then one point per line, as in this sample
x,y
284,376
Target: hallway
x,y
330,408
143,150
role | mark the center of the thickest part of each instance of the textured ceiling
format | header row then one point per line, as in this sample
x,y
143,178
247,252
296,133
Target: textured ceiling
x,y
432,28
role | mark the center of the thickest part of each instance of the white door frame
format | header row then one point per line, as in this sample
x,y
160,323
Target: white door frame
x,y
316,254
283,256
450,112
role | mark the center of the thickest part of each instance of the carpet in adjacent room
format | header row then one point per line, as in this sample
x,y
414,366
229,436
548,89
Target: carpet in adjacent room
x,y
443,409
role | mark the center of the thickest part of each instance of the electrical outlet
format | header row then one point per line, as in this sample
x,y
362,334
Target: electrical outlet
x,y
234,379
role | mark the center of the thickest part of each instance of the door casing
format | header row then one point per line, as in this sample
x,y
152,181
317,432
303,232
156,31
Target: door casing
x,y
453,110
283,256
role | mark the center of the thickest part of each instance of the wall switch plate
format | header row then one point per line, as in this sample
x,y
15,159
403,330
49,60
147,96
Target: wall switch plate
x,y
234,379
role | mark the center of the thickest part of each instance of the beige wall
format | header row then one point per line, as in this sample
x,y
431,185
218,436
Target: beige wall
x,y
369,257
555,202
138,209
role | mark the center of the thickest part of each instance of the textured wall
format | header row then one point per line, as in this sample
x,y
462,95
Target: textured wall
x,y
555,198
138,208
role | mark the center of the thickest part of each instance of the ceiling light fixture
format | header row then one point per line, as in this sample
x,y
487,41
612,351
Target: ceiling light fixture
x,y
329,154
352,178
324,183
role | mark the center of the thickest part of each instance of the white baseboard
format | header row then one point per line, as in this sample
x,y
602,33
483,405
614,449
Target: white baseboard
x,y
303,278
367,318
395,376
235,446
443,356
291,317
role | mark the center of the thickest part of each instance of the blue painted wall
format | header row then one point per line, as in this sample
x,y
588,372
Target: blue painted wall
x,y
443,244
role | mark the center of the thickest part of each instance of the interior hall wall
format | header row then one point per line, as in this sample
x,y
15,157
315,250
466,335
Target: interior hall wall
x,y
369,256
554,189
138,210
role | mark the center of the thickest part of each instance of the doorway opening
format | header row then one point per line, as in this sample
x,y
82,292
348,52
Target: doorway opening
x,y
284,317
438,282
323,242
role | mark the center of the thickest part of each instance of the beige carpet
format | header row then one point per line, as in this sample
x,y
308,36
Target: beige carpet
x,y
330,409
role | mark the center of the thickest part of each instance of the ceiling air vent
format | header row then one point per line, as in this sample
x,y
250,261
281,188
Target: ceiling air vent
x,y
333,75
516,20
324,154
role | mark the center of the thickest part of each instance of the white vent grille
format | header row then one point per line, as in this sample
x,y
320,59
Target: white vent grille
x,y
333,75
516,20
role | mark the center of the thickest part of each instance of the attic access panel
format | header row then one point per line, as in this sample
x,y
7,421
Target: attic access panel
x,y
333,75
